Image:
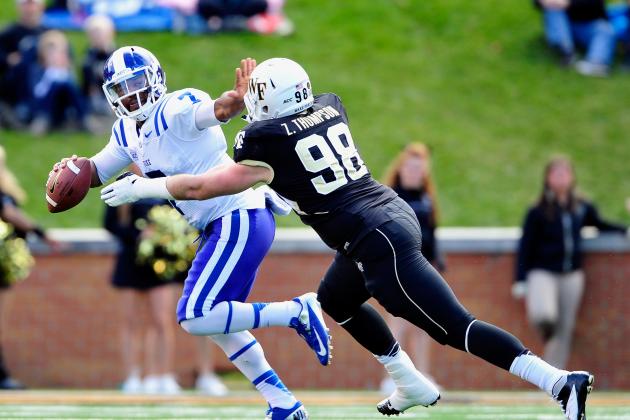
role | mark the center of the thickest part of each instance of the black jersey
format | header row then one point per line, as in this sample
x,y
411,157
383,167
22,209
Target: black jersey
x,y
318,170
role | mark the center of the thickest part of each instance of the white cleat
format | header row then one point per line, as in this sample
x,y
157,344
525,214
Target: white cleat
x,y
412,387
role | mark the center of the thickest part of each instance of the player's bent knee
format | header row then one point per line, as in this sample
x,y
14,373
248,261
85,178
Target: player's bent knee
x,y
190,326
185,324
333,306
200,326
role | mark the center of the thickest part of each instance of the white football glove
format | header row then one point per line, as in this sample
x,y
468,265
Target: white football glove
x,y
133,188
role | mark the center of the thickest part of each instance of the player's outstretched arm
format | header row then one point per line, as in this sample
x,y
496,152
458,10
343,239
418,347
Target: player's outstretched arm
x,y
231,103
228,179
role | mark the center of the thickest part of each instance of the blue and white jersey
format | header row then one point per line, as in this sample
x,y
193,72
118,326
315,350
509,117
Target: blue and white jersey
x,y
170,143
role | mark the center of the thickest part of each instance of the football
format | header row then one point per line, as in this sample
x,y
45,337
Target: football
x,y
68,186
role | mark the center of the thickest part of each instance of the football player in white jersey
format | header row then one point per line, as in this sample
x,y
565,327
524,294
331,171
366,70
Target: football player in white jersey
x,y
179,132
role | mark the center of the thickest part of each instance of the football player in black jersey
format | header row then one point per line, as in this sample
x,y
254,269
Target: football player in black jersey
x,y
301,146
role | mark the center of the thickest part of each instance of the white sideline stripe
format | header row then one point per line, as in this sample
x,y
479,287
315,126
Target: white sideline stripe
x,y
401,286
466,339
51,201
343,322
74,168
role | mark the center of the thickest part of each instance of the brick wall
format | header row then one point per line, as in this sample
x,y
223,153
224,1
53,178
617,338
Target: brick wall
x,y
59,327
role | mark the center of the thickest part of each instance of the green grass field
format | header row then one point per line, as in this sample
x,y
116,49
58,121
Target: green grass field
x,y
471,78
321,405
454,412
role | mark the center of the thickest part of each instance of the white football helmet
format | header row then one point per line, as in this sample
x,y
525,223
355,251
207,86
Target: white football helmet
x,y
132,71
278,87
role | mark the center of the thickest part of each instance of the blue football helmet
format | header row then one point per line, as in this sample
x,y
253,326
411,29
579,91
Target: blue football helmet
x,y
135,73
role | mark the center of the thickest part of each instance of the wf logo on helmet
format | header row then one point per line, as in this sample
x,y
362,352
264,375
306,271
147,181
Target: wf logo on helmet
x,y
258,88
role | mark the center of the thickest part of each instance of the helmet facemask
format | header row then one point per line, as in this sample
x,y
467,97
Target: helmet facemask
x,y
139,85
135,87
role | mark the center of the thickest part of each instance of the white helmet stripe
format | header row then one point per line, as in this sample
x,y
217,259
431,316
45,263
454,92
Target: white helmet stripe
x,y
122,65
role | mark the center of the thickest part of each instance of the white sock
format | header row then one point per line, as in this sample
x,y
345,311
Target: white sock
x,y
233,316
538,372
278,313
247,355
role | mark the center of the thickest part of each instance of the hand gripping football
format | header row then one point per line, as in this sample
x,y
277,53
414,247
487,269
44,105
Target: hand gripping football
x,y
68,186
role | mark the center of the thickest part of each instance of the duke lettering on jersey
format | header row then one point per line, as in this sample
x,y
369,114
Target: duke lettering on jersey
x,y
317,169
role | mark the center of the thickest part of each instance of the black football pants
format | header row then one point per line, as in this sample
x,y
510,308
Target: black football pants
x,y
387,264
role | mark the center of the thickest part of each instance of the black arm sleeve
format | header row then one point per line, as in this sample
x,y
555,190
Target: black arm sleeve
x,y
592,218
526,246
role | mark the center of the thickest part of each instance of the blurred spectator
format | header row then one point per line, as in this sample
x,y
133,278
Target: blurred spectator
x,y
128,15
410,176
207,382
10,195
13,197
101,38
55,100
18,45
580,23
262,16
619,17
142,292
549,263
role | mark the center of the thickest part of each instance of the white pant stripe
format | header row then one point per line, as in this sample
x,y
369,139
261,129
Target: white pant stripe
x,y
241,241
226,224
401,286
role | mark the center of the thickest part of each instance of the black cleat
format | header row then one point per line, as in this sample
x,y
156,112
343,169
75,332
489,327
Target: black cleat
x,y
572,396
386,408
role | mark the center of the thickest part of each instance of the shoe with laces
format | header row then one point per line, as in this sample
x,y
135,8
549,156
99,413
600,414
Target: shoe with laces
x,y
297,412
572,396
310,325
412,387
